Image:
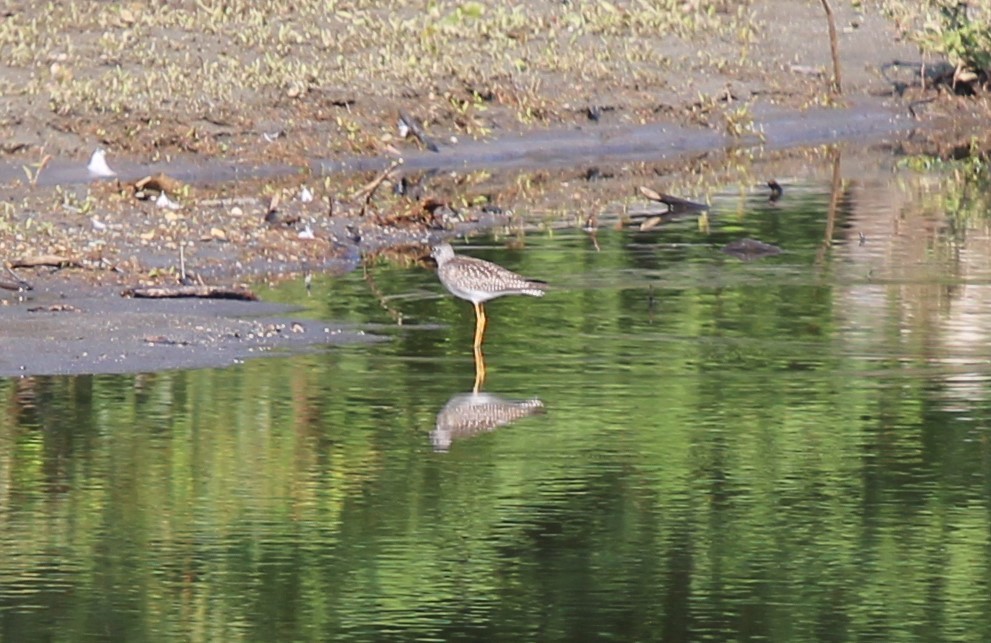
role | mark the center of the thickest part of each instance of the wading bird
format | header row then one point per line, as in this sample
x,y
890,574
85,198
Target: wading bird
x,y
478,281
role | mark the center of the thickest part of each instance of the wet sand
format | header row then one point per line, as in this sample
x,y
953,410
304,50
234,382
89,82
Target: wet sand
x,y
95,332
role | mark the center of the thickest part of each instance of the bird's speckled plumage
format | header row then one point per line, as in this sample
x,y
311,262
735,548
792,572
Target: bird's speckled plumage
x,y
478,280
469,414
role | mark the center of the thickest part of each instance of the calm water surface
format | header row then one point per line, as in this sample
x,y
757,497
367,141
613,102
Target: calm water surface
x,y
790,449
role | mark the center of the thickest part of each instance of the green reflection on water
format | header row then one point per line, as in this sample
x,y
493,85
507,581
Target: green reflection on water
x,y
790,449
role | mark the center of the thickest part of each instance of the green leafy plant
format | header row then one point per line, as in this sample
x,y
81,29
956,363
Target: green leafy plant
x,y
965,40
959,31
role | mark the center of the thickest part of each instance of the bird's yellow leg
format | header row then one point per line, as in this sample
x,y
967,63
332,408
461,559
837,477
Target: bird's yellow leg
x,y
480,322
479,369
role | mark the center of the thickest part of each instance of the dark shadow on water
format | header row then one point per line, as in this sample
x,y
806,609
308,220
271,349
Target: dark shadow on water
x,y
748,249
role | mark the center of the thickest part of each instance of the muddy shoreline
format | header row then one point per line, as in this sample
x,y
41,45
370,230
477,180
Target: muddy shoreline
x,y
69,324
271,186
96,332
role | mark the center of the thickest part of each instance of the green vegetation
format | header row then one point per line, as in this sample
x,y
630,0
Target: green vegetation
x,y
964,197
959,31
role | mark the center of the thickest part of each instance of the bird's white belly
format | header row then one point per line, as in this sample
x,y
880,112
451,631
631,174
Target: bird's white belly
x,y
474,297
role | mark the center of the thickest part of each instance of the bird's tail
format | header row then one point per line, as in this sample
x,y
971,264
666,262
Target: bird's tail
x,y
536,288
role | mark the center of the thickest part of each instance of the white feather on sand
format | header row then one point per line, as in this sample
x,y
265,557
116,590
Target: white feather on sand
x,y
98,164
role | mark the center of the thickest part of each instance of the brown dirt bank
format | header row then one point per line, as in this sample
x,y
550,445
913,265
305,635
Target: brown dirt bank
x,y
544,115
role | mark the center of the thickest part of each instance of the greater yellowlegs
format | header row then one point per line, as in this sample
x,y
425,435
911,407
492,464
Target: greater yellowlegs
x,y
478,281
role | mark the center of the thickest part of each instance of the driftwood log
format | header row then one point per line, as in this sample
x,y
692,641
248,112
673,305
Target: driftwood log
x,y
15,286
675,205
15,282
54,261
202,292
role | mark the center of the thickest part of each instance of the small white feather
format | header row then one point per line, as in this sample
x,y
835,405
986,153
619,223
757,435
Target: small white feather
x,y
98,164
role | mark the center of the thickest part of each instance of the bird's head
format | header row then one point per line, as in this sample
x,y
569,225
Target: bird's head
x,y
442,253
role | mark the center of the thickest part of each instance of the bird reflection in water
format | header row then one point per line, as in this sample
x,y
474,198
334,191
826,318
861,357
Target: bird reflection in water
x,y
468,414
